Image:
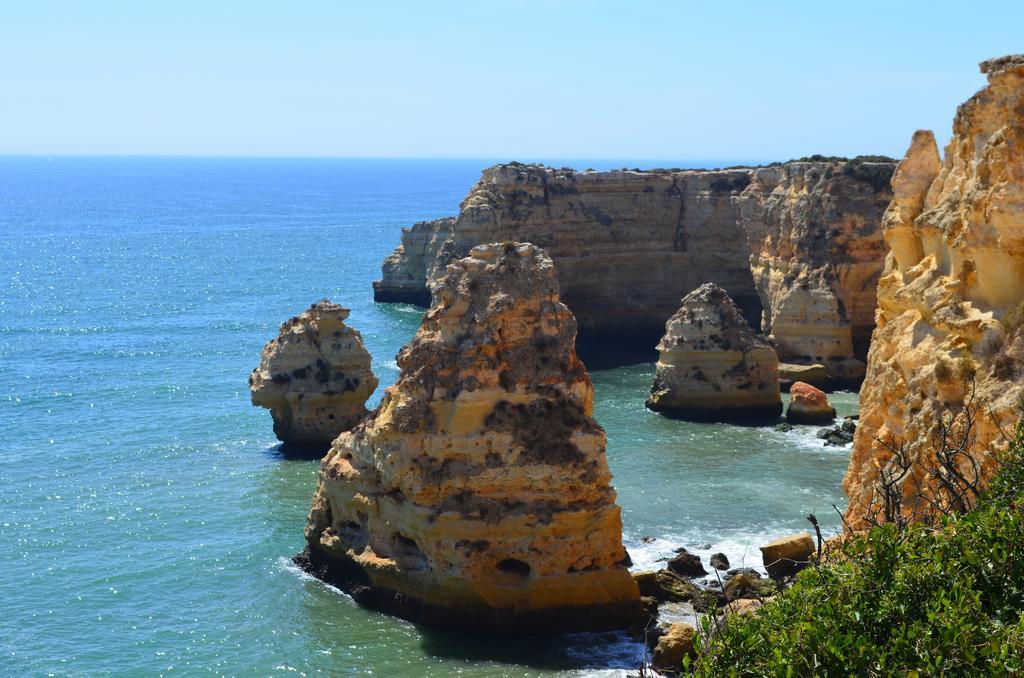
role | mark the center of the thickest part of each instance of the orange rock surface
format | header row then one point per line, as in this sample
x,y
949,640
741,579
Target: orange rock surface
x,y
478,495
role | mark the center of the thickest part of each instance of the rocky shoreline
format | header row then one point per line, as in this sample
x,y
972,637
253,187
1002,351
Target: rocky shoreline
x,y
478,495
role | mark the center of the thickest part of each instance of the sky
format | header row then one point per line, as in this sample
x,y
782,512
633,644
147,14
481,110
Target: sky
x,y
518,80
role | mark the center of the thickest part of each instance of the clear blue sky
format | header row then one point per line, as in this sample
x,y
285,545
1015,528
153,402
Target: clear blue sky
x,y
514,79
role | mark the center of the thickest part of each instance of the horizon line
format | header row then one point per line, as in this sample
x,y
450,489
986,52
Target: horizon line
x,y
488,158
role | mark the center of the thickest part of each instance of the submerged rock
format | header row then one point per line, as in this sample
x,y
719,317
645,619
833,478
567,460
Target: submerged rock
x,y
712,366
949,301
478,495
809,405
839,435
314,377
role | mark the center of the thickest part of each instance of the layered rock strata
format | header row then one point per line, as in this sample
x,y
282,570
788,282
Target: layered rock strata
x,y
314,377
712,366
949,300
816,255
478,495
801,239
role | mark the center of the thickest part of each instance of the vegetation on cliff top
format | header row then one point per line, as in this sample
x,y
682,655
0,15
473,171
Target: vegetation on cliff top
x,y
945,598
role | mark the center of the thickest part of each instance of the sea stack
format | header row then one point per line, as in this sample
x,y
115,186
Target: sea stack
x,y
314,377
808,405
478,496
950,316
712,366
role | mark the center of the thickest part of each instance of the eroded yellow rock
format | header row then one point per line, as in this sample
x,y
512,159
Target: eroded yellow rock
x,y
712,366
478,495
953,279
314,377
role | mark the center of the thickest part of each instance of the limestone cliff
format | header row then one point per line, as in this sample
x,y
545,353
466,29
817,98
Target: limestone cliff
x,y
478,494
315,377
629,244
712,366
949,300
817,252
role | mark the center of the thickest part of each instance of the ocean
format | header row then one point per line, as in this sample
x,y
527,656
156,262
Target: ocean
x,y
147,517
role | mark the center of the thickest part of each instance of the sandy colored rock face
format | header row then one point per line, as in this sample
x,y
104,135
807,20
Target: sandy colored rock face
x,y
673,645
815,375
808,405
955,271
314,377
816,255
478,495
802,240
712,366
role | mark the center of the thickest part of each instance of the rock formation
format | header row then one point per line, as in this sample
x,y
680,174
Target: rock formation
x,y
808,405
315,377
817,252
787,555
672,645
711,366
478,495
949,298
802,239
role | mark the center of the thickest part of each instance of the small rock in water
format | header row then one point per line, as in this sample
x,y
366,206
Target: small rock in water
x,y
839,435
719,561
808,405
741,570
647,539
699,547
784,427
686,564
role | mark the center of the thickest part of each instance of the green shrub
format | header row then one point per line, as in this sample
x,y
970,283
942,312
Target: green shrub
x,y
874,170
945,599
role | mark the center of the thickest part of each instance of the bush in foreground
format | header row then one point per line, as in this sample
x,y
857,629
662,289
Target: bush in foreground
x,y
940,599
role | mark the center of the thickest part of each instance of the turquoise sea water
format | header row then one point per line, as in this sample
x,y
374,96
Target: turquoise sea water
x,y
146,516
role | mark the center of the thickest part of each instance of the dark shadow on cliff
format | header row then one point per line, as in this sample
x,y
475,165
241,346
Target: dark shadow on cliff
x,y
612,650
606,350
291,451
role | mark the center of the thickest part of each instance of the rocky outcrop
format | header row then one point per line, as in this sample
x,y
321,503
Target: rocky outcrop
x,y
314,377
808,405
478,495
712,366
787,555
802,239
949,297
415,261
817,252
672,645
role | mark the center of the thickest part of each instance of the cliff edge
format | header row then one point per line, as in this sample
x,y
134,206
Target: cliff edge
x,y
949,317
